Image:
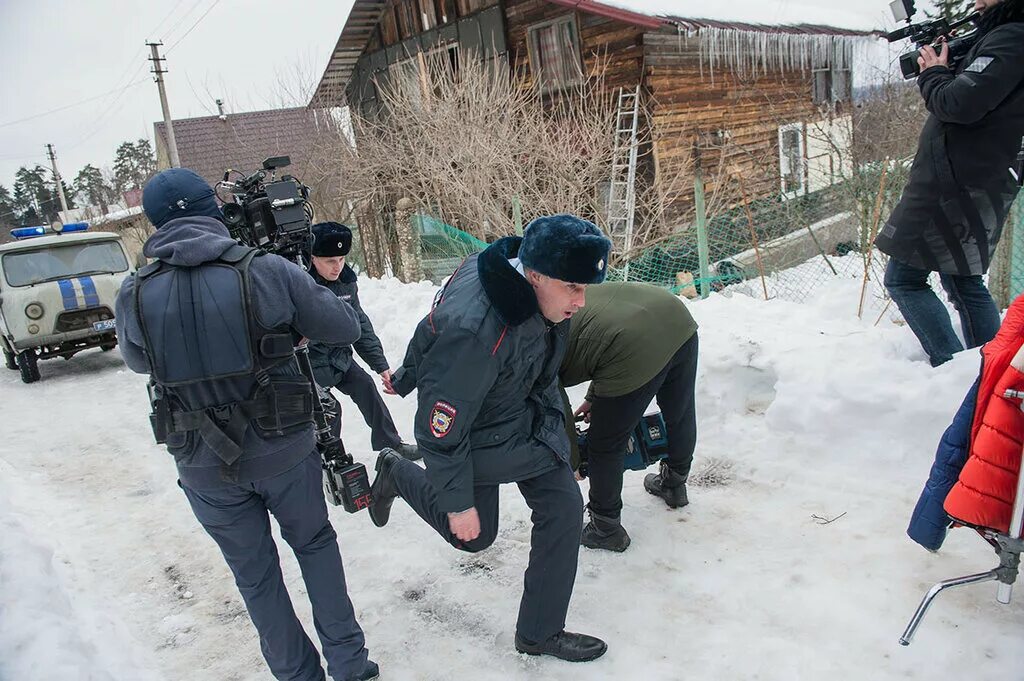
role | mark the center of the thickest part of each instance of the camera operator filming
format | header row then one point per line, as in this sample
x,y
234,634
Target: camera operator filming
x,y
965,176
213,322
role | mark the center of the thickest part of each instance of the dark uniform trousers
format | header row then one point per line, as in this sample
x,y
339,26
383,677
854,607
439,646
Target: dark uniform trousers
x,y
238,520
359,386
557,506
612,419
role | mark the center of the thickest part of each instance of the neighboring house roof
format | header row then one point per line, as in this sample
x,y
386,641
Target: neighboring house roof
x,y
789,17
211,144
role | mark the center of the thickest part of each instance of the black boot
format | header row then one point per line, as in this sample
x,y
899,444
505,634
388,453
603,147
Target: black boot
x,y
408,451
604,532
565,645
383,490
668,485
370,672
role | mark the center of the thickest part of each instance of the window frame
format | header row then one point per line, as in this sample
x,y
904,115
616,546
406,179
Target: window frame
x,y
532,47
802,174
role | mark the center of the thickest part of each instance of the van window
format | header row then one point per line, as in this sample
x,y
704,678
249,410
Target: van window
x,y
61,262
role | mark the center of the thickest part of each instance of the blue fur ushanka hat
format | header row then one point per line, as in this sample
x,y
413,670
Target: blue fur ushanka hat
x,y
566,247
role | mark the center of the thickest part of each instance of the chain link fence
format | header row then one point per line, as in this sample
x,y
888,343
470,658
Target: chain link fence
x,y
787,248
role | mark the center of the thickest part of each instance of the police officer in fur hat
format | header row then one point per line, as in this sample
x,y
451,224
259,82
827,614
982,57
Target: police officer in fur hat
x,y
333,364
213,324
485,365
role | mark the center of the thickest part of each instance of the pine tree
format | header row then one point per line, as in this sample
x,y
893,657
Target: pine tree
x,y
33,196
91,187
134,164
8,215
951,10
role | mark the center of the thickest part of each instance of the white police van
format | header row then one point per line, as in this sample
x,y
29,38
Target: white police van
x,y
57,290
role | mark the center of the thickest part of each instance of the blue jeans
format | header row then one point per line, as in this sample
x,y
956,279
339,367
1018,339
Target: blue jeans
x,y
927,316
238,519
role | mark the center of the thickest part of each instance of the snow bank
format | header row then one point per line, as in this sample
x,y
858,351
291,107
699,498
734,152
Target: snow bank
x,y
806,415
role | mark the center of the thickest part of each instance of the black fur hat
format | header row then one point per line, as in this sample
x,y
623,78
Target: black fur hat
x,y
331,239
566,247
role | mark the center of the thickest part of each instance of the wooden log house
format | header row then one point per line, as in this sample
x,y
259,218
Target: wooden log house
x,y
767,102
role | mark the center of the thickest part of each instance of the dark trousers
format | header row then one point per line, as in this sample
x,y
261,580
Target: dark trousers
x,y
612,419
238,519
927,316
359,386
554,498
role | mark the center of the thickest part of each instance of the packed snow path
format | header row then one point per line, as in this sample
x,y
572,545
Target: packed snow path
x,y
806,415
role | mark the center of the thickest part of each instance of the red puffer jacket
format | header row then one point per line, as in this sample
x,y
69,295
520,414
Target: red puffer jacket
x,y
983,496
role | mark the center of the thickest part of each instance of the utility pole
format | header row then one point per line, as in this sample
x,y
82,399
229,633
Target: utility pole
x,y
56,178
172,146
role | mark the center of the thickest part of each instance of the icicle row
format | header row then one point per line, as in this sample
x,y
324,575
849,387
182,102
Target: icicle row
x,y
749,53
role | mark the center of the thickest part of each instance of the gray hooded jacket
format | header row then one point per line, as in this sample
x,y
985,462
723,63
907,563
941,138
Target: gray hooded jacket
x,y
283,295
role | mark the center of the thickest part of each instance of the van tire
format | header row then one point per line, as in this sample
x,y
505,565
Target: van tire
x,y
27,363
9,360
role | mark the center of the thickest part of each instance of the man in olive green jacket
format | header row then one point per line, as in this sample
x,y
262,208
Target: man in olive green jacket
x,y
634,343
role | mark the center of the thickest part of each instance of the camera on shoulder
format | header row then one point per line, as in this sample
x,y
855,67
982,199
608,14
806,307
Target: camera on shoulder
x,y
929,33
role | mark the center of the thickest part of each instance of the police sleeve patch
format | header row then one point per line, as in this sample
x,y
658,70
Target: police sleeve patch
x,y
979,65
442,418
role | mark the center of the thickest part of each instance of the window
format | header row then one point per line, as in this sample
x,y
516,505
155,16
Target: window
x,y
791,160
830,85
63,262
555,54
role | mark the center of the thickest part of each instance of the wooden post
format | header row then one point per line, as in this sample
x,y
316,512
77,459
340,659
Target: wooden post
x,y
410,268
753,232
702,232
874,232
517,215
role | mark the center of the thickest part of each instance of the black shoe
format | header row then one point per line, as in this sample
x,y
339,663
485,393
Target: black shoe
x,y
565,645
383,490
409,452
668,485
370,672
603,532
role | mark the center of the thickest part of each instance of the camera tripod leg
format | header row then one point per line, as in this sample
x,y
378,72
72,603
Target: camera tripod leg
x,y
926,603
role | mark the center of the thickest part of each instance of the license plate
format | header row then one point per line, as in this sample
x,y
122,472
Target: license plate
x,y
105,325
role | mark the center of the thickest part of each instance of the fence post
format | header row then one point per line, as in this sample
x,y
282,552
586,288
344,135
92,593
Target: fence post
x,y
517,215
410,268
1000,272
702,232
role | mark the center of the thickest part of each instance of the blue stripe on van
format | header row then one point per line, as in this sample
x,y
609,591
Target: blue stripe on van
x,y
67,293
92,298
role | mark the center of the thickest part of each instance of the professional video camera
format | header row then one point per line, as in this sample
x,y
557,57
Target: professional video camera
x,y
273,215
276,216
928,33
647,444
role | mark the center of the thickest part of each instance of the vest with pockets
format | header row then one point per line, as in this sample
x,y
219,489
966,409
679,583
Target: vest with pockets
x,y
216,372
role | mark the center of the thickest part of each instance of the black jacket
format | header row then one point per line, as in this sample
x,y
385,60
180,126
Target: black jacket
x,y
485,364
330,362
951,214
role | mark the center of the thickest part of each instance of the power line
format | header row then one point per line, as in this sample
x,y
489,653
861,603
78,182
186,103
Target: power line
x,y
61,108
182,18
202,16
166,17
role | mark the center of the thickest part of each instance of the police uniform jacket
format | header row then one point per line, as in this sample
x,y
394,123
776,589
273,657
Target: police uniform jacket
x,y
952,211
485,365
331,362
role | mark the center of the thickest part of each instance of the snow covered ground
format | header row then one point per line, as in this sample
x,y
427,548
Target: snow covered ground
x,y
806,415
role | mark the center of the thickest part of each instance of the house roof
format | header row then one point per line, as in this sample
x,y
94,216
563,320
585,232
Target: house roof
x,y
789,17
210,145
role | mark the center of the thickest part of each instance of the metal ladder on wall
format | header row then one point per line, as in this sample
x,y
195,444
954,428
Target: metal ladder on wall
x,y
622,188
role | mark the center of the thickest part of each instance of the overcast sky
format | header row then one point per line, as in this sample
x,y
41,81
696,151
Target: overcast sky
x,y
253,54
54,53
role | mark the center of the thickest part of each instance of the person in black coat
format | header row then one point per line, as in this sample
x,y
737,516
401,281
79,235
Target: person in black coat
x,y
333,364
965,176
